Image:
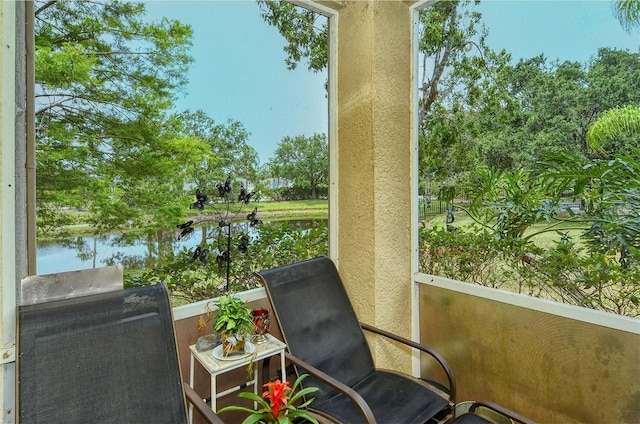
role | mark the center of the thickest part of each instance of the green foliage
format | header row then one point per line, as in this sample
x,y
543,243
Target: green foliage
x,y
524,112
570,274
104,79
472,255
63,67
507,203
233,317
274,245
607,134
564,272
283,244
300,193
227,150
599,270
611,189
303,160
306,33
628,13
465,75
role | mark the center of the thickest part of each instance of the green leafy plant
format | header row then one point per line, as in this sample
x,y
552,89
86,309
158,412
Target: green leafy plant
x,y
277,404
274,245
565,270
233,321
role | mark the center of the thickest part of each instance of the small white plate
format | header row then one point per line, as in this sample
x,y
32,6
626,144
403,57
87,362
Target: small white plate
x,y
249,348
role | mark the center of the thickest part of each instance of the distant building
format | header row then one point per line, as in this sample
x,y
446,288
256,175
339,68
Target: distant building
x,y
276,183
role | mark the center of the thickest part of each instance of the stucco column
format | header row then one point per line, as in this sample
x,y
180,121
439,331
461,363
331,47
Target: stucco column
x,y
374,166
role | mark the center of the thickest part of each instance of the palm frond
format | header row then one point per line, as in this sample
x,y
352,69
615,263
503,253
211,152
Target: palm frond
x,y
614,123
628,13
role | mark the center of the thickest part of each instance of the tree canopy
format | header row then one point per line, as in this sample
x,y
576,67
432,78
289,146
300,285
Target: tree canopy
x,y
303,160
227,150
104,79
615,131
535,108
107,148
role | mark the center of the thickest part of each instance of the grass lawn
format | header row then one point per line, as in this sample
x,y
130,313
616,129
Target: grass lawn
x,y
294,205
545,239
293,209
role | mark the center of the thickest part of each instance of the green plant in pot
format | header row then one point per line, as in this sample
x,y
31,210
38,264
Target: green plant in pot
x,y
233,322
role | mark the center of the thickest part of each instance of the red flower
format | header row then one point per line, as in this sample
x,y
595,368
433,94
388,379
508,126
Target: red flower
x,y
277,404
277,394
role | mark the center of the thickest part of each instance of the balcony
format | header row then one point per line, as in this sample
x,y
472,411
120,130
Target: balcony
x,y
551,362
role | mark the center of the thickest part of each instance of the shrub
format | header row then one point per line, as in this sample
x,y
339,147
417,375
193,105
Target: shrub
x,y
564,272
191,280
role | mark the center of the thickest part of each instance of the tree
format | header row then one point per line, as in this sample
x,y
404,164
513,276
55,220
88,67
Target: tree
x,y
306,33
611,190
449,31
594,261
303,160
229,153
452,47
104,78
486,111
545,108
546,114
459,74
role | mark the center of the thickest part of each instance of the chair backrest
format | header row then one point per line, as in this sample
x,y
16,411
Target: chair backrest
x,y
317,320
103,358
63,285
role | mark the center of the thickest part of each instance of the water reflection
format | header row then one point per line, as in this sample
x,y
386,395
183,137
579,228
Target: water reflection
x,y
118,249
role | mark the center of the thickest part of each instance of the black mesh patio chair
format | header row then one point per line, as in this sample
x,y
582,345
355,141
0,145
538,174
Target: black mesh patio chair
x,y
484,412
325,339
102,358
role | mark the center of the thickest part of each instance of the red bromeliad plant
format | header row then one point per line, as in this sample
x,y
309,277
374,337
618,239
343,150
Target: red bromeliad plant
x,y
277,404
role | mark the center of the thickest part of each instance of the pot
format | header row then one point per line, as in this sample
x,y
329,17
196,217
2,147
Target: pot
x,y
233,345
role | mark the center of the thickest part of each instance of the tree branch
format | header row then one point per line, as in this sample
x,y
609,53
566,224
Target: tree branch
x,y
45,6
430,90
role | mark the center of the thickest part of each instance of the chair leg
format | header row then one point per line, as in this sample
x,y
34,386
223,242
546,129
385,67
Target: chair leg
x,y
204,409
502,410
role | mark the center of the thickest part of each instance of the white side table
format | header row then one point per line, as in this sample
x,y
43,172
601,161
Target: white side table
x,y
215,367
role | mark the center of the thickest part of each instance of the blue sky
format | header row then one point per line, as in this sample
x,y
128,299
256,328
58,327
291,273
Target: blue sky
x,y
566,30
239,71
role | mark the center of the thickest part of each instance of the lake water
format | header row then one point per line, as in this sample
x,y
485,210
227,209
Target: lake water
x,y
99,251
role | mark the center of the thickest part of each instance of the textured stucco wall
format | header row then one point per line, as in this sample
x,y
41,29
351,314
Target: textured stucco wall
x,y
374,156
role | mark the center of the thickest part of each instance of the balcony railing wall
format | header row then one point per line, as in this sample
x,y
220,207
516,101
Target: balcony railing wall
x,y
552,362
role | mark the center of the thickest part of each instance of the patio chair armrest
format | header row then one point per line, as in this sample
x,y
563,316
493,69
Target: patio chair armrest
x,y
204,409
332,382
502,410
437,356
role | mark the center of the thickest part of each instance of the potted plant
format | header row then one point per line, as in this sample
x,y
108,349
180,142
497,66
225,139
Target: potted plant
x,y
277,404
233,322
